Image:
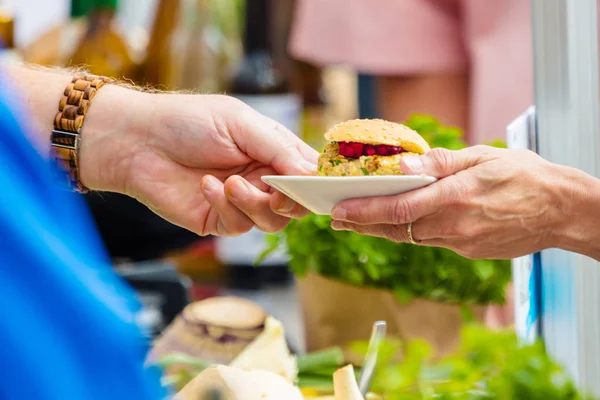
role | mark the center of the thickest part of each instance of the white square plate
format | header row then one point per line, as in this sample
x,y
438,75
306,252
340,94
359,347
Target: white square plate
x,y
320,194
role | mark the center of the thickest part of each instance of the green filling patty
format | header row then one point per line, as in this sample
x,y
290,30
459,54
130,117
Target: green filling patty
x,y
331,163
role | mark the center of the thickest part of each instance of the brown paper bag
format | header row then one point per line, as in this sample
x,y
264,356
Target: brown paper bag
x,y
336,313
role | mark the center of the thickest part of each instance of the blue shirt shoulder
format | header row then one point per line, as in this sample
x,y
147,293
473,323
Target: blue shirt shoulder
x,y
67,322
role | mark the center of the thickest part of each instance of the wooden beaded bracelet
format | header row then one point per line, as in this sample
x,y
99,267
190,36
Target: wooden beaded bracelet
x,y
66,139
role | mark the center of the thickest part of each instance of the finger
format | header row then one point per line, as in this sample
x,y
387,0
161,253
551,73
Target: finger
x,y
396,210
311,155
441,163
443,226
254,203
231,221
283,205
422,230
395,233
271,143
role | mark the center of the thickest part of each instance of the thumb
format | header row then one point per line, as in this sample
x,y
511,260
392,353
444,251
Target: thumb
x,y
441,163
295,157
270,143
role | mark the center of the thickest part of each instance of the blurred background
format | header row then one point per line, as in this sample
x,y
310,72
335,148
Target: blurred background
x,y
306,63
237,47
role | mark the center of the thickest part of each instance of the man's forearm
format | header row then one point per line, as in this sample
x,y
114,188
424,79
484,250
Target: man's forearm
x,y
40,89
114,113
580,231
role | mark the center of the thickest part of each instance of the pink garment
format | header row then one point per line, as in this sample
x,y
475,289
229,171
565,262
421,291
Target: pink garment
x,y
490,38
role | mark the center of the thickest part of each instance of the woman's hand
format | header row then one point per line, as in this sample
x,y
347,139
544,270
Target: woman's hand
x,y
196,160
489,203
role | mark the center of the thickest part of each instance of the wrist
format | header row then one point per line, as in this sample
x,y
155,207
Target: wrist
x,y
112,134
579,196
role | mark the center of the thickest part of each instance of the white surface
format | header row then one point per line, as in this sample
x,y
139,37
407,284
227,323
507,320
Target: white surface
x,y
320,194
520,134
245,249
565,38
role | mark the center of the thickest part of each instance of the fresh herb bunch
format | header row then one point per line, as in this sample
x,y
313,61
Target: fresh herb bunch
x,y
489,365
406,270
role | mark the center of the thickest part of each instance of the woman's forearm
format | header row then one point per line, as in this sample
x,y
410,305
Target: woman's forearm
x,y
580,230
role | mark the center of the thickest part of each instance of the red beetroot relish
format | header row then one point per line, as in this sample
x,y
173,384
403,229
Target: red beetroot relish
x,y
355,149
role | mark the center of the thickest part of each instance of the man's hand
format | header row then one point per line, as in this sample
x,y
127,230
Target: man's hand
x,y
488,203
195,160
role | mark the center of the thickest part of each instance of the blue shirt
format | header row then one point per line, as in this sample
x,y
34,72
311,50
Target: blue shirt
x,y
67,322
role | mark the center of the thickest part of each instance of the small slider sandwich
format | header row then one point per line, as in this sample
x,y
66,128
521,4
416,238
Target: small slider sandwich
x,y
368,147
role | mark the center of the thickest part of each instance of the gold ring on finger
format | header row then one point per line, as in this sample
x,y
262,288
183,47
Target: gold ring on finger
x,y
409,233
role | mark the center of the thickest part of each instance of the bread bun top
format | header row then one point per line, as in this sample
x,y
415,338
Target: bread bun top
x,y
378,131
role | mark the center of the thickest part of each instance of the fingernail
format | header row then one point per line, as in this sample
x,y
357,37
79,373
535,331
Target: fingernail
x,y
414,164
337,226
209,184
308,166
239,190
340,214
286,206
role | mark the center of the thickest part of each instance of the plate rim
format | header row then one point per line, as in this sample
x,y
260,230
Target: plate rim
x,y
372,178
